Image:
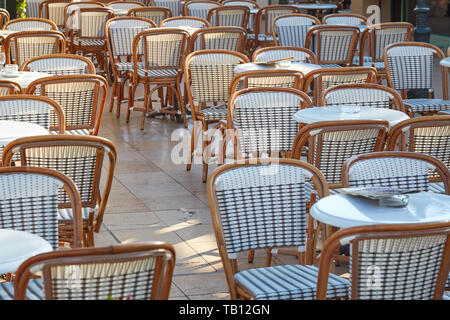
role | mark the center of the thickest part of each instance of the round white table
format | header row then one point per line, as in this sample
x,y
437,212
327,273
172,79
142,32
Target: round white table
x,y
346,211
17,246
445,62
12,130
333,113
24,78
303,67
316,6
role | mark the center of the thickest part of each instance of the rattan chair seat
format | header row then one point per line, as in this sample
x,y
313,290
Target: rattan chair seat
x,y
289,282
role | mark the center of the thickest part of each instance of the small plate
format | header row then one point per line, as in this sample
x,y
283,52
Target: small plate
x,y
10,75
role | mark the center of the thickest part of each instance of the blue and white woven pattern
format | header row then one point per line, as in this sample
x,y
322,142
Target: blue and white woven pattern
x,y
175,6
289,282
199,9
29,202
32,8
411,67
386,36
184,22
292,30
264,120
229,40
211,75
29,25
25,48
334,45
269,15
427,105
263,207
371,97
35,290
59,65
229,17
403,173
339,145
128,279
398,268
121,34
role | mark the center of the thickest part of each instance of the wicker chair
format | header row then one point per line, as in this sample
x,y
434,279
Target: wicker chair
x,y
208,74
263,31
81,158
261,120
119,272
407,171
325,78
249,4
30,24
267,78
334,46
409,66
363,94
162,67
426,135
229,16
263,205
199,8
120,33
223,38
72,18
175,6
278,52
402,262
8,87
175,22
53,10
24,45
348,19
30,199
60,64
34,109
377,37
82,97
290,30
156,14
331,143
90,38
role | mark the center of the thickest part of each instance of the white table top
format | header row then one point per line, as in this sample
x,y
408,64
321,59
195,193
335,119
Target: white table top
x,y
446,62
305,68
17,246
11,130
333,113
5,33
345,211
316,6
24,78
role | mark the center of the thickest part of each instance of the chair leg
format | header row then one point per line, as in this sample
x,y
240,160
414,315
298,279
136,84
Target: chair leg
x,y
131,91
181,104
205,150
268,257
113,95
119,94
146,98
194,142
